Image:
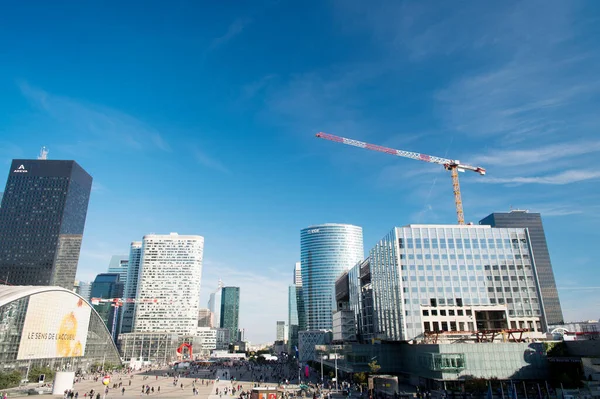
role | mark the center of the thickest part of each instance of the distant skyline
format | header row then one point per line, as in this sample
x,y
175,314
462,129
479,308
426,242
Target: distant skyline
x,y
199,118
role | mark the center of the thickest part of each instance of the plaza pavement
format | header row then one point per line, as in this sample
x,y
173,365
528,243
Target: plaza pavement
x,y
167,390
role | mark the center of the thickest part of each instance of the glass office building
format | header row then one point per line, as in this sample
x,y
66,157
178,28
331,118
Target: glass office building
x,y
326,252
539,247
108,286
230,311
428,278
42,218
292,318
131,286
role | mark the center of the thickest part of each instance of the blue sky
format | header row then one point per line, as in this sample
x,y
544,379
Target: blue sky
x,y
199,118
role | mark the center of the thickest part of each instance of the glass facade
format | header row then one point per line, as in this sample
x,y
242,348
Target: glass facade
x,y
42,218
230,311
14,308
326,251
292,318
453,278
539,247
107,286
131,286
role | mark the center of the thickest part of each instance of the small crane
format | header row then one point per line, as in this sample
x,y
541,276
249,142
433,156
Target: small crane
x,y
454,166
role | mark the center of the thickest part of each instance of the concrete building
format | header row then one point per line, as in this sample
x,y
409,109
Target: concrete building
x,y
539,248
223,338
42,218
205,318
230,311
131,286
208,341
326,251
169,284
280,331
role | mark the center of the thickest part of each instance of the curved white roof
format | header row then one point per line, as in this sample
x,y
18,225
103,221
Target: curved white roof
x,y
10,293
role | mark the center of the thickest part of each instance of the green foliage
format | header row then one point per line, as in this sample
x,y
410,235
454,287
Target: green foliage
x,y
374,367
36,371
474,384
556,349
9,380
360,378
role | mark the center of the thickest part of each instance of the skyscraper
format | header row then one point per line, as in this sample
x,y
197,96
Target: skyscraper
x,y
533,222
280,333
230,311
292,318
326,251
42,218
169,284
214,304
298,274
108,286
131,286
119,264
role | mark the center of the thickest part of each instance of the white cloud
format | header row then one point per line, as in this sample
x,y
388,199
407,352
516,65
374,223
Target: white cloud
x,y
233,30
263,297
545,154
108,126
210,162
566,177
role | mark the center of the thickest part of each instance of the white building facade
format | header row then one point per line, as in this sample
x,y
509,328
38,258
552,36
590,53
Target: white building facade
x,y
168,292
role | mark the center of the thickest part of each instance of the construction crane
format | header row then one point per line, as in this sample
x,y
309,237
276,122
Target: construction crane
x,y
454,166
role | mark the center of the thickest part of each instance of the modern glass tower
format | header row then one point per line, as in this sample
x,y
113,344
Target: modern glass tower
x,y
131,286
533,222
42,218
107,286
119,264
292,318
326,251
230,311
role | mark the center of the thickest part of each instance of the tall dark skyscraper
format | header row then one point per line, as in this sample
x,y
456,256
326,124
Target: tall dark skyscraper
x,y
539,247
41,222
230,311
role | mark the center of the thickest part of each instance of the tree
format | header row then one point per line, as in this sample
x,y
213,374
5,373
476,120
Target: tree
x,y
36,371
9,380
374,367
360,378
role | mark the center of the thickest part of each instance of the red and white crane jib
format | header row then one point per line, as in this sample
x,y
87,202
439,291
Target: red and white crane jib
x,y
447,163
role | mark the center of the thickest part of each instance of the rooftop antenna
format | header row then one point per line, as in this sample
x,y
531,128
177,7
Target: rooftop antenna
x,y
43,153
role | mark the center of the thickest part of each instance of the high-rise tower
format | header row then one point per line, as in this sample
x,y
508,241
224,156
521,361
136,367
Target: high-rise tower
x,y
326,251
168,292
539,247
230,311
131,286
42,218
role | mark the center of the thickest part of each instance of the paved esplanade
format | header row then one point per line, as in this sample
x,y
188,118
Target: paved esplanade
x,y
244,377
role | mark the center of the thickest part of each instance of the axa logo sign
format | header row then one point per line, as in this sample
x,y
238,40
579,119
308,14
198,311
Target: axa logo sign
x,y
20,169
